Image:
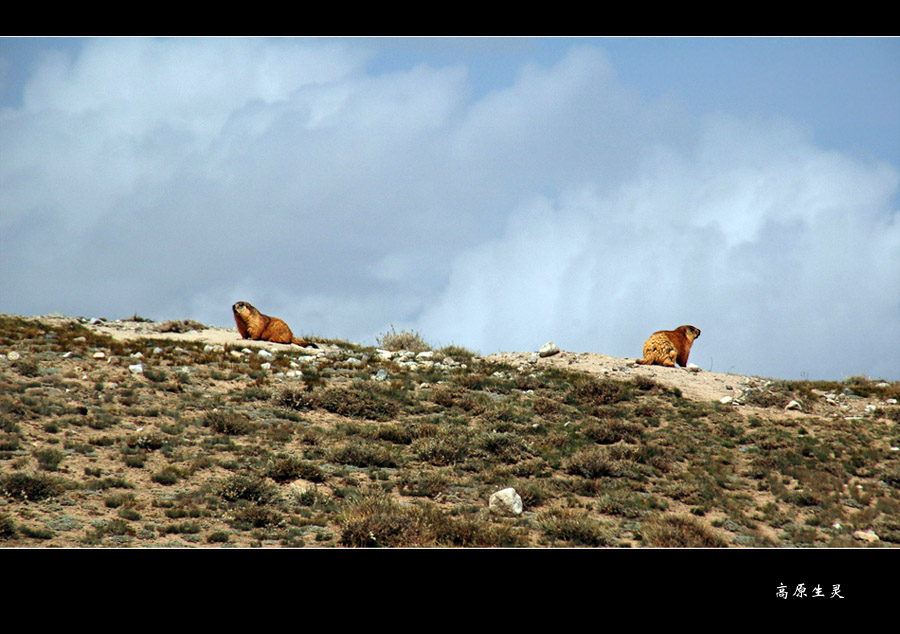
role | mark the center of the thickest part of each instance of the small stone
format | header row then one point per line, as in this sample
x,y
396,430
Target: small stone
x,y
795,405
12,355
427,354
381,375
506,502
266,365
137,368
548,349
866,536
725,400
265,354
99,355
692,367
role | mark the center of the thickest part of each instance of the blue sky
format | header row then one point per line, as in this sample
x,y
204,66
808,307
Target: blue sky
x,y
490,192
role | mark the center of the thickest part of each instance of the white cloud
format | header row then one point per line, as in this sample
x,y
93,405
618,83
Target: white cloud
x,y
786,256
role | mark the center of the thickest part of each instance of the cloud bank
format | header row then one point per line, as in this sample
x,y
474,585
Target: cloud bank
x,y
172,178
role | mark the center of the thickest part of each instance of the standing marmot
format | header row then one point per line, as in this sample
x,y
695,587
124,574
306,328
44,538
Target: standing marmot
x,y
252,324
668,347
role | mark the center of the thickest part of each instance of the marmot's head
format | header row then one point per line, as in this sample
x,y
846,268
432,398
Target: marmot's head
x,y
242,308
690,332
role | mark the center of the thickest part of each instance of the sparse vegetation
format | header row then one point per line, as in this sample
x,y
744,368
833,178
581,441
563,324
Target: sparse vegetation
x,y
403,340
220,447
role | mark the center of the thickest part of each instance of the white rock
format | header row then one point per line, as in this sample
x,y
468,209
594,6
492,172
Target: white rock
x,y
99,355
794,405
506,502
12,355
692,367
137,368
265,354
381,375
725,400
866,536
236,354
427,354
548,349
266,365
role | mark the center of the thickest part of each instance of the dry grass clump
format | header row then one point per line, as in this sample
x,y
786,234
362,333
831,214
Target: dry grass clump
x,y
359,400
577,529
376,520
403,340
680,531
25,486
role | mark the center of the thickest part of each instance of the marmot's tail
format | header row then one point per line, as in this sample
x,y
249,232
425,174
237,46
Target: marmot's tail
x,y
305,344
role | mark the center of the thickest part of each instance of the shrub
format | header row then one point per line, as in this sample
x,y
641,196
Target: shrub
x,y
357,401
49,459
568,526
292,468
680,531
7,527
249,488
591,463
403,340
22,486
588,391
227,422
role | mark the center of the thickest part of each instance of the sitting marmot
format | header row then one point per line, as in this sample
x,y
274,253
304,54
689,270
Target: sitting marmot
x,y
252,324
668,347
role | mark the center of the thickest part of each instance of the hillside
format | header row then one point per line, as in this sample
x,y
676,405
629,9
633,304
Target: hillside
x,y
134,433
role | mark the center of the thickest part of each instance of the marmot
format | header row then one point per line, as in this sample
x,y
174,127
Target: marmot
x,y
668,347
252,324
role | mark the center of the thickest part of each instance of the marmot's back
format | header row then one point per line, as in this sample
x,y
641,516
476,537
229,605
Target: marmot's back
x,y
668,347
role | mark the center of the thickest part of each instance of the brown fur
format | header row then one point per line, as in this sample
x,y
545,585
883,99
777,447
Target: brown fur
x,y
252,324
668,347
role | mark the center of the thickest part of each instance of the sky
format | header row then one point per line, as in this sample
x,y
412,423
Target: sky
x,y
492,193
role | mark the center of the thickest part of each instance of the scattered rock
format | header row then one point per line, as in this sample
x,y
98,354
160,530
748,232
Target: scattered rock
x,y
137,368
381,375
12,355
866,536
506,502
548,349
692,367
793,405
